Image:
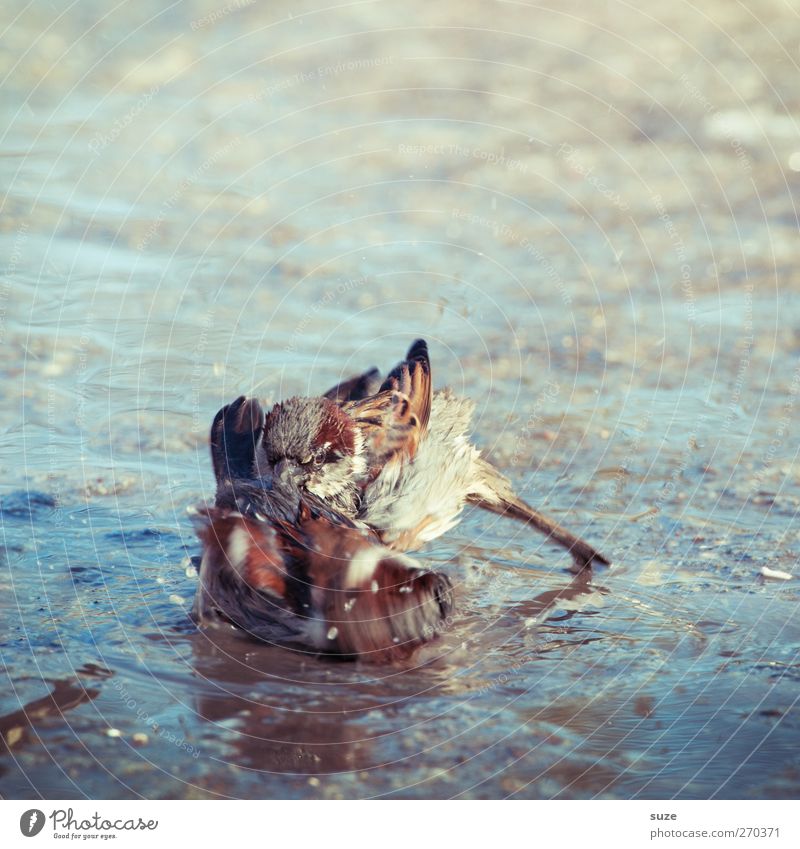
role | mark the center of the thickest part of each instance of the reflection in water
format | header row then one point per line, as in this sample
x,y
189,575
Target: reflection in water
x,y
283,721
273,727
22,725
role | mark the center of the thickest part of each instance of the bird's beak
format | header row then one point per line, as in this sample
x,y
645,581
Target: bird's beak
x,y
285,470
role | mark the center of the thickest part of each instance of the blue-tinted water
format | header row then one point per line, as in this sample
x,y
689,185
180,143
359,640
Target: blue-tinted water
x,y
590,213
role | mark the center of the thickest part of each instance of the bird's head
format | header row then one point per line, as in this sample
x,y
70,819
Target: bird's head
x,y
314,444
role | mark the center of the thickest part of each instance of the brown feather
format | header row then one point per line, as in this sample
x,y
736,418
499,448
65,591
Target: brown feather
x,y
412,377
262,565
283,582
235,435
385,614
390,427
335,430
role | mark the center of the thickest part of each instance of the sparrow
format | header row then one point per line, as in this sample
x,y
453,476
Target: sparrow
x,y
393,456
284,568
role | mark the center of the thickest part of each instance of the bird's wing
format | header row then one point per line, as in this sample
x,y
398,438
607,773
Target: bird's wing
x,y
316,586
355,388
235,435
376,604
390,428
412,377
394,420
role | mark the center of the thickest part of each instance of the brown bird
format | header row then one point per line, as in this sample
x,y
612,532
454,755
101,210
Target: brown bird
x,y
285,568
393,456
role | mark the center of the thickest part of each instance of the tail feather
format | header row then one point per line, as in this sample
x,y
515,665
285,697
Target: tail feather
x,y
497,496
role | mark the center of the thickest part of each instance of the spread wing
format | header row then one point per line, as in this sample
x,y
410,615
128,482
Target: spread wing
x,y
377,604
390,429
412,377
355,388
317,586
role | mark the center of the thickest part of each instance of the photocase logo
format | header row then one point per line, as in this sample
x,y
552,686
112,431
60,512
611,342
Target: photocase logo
x,y
31,822
65,824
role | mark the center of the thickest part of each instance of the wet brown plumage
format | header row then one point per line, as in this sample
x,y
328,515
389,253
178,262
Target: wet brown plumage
x,y
317,587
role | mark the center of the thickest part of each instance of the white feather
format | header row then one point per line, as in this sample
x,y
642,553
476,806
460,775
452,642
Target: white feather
x,y
238,546
362,567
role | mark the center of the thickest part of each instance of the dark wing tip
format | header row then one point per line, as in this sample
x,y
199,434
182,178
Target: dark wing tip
x,y
244,415
355,388
235,434
444,594
248,416
412,377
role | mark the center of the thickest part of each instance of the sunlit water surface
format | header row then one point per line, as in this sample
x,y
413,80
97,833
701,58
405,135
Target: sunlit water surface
x,y
266,201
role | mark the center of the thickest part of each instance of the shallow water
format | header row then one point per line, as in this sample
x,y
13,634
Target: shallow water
x,y
274,198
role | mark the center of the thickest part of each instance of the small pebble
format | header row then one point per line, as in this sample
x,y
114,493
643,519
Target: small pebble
x,y
113,732
140,739
333,633
775,573
314,782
